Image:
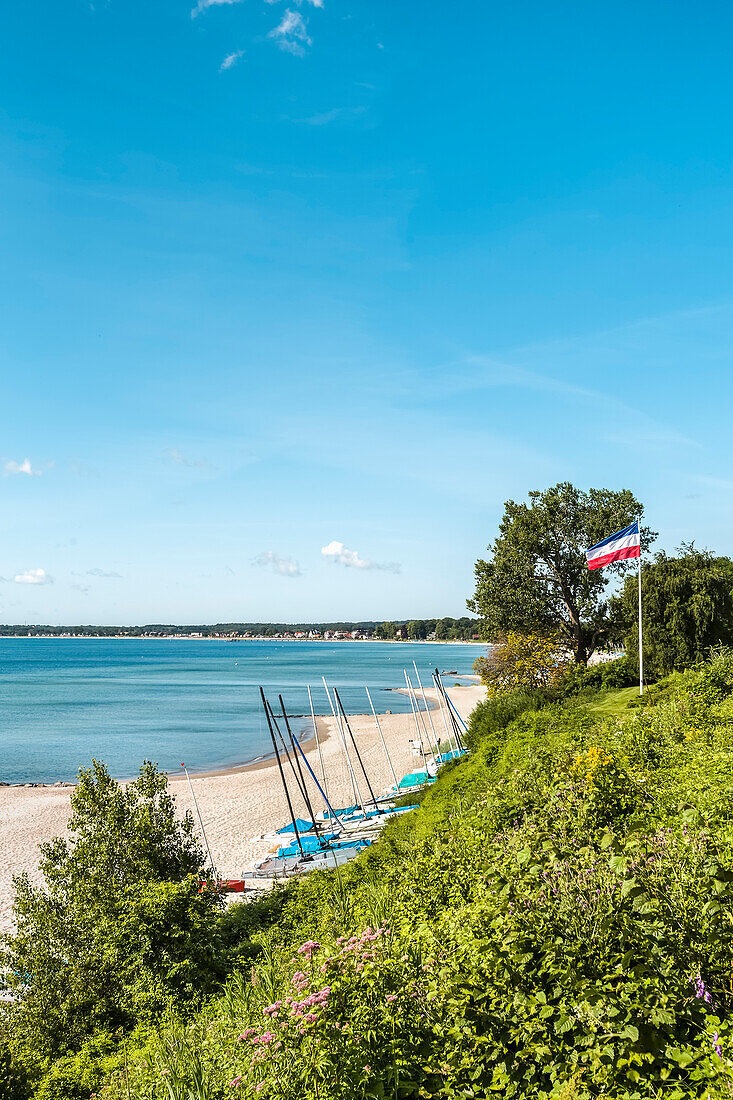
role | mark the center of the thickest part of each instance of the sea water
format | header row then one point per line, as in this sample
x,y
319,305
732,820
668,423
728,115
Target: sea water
x,y
64,701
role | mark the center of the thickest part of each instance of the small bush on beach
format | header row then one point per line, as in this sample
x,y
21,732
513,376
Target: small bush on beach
x,y
121,931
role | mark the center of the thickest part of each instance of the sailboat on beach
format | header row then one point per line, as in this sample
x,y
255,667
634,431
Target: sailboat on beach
x,y
336,835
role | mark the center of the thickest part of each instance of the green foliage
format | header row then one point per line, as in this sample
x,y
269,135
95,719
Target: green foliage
x,y
581,681
77,1076
121,929
687,610
13,1079
531,661
555,922
494,714
537,578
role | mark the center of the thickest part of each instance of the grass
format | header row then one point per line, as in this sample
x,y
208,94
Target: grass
x,y
613,702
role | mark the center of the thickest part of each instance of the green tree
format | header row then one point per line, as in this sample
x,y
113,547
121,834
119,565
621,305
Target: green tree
x,y
416,629
442,626
121,929
537,579
530,661
386,630
687,609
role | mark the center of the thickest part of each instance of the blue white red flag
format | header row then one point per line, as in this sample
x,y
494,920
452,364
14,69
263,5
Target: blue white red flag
x,y
626,543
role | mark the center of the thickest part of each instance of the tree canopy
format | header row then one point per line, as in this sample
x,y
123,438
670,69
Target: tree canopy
x,y
537,579
121,930
687,608
530,661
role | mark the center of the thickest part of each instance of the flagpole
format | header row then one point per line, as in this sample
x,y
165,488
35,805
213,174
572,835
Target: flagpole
x,y
641,649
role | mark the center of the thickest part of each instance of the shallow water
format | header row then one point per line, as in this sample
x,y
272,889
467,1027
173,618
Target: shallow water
x,y
66,700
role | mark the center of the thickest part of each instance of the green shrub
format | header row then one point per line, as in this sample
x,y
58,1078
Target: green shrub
x,y
492,715
605,676
13,1080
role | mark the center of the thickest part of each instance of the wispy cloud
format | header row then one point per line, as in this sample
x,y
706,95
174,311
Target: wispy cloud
x,y
83,588
101,573
341,555
336,114
230,60
291,33
33,576
286,567
204,4
180,459
23,467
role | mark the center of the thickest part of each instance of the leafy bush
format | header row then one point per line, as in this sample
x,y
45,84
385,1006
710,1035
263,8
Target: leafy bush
x,y
494,714
121,931
13,1081
605,676
523,660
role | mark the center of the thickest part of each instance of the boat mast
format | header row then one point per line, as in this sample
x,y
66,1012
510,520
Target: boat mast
x,y
296,777
442,709
423,723
306,797
356,750
454,715
384,743
201,823
414,715
318,743
282,773
427,709
342,742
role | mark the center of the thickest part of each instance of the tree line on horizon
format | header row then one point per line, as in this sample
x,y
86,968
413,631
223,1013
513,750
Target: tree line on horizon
x,y
414,629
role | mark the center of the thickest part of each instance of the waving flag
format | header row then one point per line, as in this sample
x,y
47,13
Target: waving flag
x,y
624,544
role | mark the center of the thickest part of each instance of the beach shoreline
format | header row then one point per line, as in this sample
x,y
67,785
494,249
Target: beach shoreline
x,y
263,759
239,805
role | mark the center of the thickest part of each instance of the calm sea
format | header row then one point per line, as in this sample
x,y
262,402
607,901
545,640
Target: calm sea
x,y
66,700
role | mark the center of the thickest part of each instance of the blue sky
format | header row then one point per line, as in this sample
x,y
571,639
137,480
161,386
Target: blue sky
x,y
281,277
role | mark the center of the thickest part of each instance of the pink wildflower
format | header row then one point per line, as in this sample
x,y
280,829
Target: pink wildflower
x,y
235,1083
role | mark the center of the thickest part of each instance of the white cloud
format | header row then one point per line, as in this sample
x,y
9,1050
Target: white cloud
x,y
83,588
101,573
230,60
286,567
315,3
23,467
204,4
336,114
180,459
33,576
341,555
291,33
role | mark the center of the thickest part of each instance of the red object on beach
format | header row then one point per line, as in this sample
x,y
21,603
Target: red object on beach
x,y
224,886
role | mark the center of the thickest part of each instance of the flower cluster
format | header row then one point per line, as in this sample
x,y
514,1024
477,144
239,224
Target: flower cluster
x,y
588,764
700,991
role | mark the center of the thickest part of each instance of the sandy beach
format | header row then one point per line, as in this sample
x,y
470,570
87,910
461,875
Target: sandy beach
x,y
237,806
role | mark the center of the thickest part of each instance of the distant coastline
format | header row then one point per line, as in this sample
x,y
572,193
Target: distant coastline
x,y
445,629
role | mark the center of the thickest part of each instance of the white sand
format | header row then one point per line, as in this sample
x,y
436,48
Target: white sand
x,y
236,806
